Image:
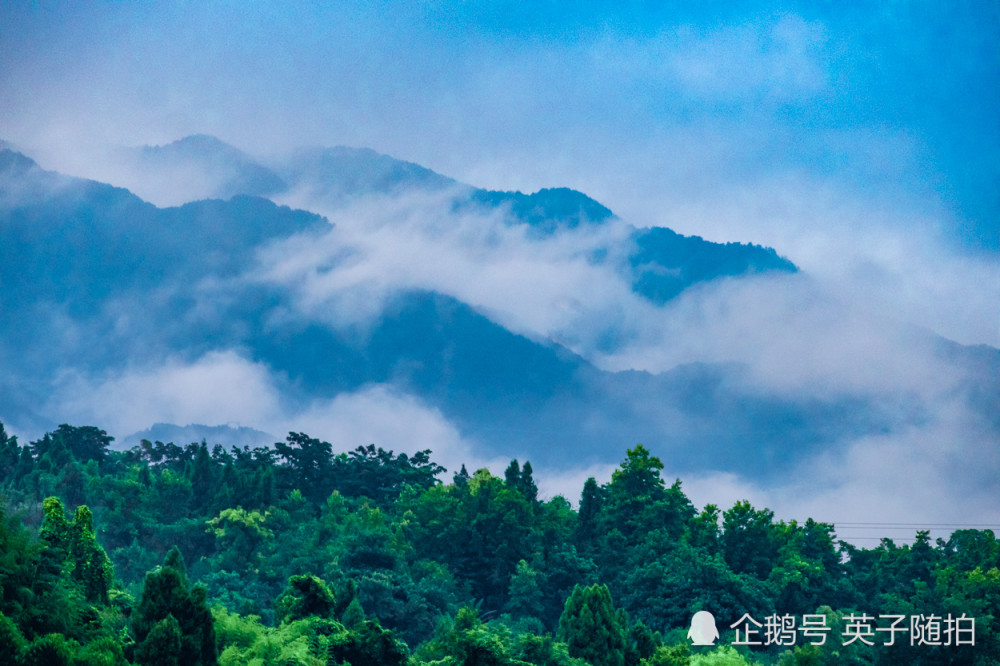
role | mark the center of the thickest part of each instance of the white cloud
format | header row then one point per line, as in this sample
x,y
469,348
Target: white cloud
x,y
778,60
939,476
223,387
544,286
390,419
885,255
569,482
941,473
219,387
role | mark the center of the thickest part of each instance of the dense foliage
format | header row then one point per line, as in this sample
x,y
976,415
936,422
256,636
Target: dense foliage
x,y
292,554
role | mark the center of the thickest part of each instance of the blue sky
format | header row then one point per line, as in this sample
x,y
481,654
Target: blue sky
x,y
635,102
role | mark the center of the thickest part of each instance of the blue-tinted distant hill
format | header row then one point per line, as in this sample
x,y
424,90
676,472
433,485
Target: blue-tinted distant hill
x,y
87,240
224,435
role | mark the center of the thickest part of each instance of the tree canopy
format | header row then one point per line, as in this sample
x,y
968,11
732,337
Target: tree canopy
x,y
298,554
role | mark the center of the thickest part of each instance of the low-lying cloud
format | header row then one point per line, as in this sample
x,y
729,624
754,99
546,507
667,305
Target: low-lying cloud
x,y
224,387
219,387
567,286
861,320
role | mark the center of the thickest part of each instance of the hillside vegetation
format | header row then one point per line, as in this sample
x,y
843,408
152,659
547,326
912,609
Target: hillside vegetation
x,y
291,554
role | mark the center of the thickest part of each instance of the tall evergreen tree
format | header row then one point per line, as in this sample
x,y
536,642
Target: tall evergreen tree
x,y
512,475
519,478
52,451
527,483
461,478
165,593
590,627
203,486
10,453
25,464
591,505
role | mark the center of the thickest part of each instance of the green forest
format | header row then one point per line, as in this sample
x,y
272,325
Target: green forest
x,y
195,554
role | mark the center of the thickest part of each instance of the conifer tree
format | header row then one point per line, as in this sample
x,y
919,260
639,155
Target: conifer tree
x,y
354,615
590,627
202,478
527,483
591,504
165,593
461,478
10,453
519,478
25,464
512,475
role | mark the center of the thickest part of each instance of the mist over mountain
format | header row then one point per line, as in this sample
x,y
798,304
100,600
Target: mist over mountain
x,y
537,326
338,174
201,166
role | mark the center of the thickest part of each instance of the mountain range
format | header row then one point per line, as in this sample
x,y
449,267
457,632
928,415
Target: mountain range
x,y
98,285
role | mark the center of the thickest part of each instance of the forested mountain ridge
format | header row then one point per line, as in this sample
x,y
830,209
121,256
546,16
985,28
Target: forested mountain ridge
x,y
83,262
295,555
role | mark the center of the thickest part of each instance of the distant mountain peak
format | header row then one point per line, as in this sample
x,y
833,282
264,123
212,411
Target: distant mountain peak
x,y
547,209
198,145
12,161
210,167
203,139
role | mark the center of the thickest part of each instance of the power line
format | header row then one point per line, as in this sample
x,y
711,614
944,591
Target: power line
x,y
892,529
865,538
916,525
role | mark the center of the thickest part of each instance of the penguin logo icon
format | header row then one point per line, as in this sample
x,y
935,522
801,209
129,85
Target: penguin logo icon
x,y
703,630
